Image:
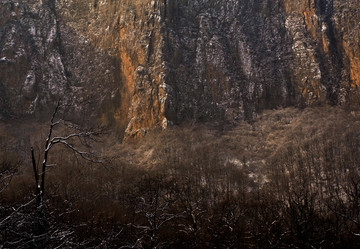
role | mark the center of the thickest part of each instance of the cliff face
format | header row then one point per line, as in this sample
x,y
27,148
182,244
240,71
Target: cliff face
x,y
138,64
244,56
129,34
102,58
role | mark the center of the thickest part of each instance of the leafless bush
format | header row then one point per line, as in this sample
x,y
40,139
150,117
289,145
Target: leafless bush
x,y
288,180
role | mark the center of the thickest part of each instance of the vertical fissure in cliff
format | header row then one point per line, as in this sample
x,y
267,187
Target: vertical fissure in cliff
x,y
165,9
332,73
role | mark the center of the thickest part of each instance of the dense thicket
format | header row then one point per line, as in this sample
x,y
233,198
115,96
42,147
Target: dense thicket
x,y
289,180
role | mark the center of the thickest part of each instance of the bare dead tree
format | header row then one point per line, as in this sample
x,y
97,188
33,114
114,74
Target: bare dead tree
x,y
77,137
152,204
68,142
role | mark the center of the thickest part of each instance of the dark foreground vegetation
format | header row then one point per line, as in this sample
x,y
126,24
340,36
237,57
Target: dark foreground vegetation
x,y
289,180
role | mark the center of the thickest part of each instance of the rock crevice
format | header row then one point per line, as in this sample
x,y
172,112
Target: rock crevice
x,y
135,65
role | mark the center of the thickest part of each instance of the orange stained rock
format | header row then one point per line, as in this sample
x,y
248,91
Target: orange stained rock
x,y
314,87
353,54
291,6
325,43
310,19
127,66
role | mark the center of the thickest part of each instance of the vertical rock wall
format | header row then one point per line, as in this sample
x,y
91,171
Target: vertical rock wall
x,y
32,72
130,33
251,55
139,64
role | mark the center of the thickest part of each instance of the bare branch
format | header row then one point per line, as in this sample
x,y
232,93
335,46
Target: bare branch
x,y
52,124
16,211
36,174
55,140
85,155
60,121
8,179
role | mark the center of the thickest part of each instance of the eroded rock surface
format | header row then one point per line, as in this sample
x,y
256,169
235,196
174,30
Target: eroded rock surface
x,y
139,64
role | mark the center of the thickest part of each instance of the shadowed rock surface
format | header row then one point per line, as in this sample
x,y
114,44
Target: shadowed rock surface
x,y
139,64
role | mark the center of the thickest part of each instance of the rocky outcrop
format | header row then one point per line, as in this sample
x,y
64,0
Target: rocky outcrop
x,y
32,72
251,55
129,33
139,64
